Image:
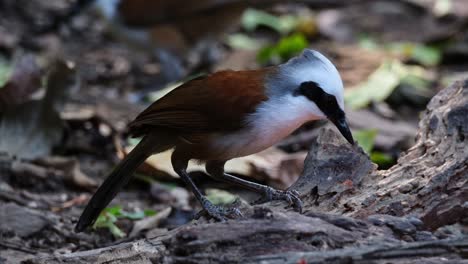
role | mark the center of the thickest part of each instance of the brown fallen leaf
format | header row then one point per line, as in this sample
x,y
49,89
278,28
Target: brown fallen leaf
x,y
345,24
32,128
25,80
78,200
354,63
173,195
238,60
70,169
26,169
150,222
277,168
272,166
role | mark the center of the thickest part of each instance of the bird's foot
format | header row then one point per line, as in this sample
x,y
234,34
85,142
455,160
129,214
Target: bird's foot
x,y
219,213
290,196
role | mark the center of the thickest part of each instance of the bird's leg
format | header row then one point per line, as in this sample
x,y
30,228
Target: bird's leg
x,y
217,212
216,170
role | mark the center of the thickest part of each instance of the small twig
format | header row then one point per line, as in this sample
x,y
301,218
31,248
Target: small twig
x,y
16,247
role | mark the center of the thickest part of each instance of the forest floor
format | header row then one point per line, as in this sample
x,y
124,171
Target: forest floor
x,y
67,94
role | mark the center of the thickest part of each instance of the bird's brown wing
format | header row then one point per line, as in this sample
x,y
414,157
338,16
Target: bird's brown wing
x,y
215,103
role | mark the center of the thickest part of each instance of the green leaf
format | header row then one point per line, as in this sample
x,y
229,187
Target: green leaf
x,y
169,185
378,86
144,178
367,42
381,159
118,212
383,81
366,139
133,141
101,221
114,210
286,48
116,231
133,216
242,41
5,72
268,53
423,54
252,18
110,215
106,221
292,45
429,56
149,212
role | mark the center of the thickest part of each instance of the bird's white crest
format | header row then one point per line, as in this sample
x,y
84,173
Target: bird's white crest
x,y
309,66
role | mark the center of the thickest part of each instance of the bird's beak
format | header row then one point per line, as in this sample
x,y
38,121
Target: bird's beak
x,y
343,127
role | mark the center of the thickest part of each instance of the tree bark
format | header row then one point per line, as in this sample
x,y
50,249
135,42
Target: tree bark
x,y
429,181
353,212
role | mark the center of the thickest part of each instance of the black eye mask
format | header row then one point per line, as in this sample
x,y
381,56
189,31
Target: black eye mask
x,y
328,104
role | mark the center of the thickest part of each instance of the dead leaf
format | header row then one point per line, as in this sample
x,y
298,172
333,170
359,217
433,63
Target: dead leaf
x,y
70,169
31,129
24,81
28,170
170,195
273,166
220,197
238,60
150,222
346,24
79,200
381,83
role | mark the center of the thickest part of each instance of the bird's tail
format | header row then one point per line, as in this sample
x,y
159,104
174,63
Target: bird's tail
x,y
150,144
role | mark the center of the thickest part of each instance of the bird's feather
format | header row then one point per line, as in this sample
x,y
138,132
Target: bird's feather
x,y
153,143
218,102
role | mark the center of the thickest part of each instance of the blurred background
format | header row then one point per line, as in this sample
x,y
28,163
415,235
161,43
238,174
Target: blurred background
x,y
74,73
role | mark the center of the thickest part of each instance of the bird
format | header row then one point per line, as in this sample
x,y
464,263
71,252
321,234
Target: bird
x,y
229,114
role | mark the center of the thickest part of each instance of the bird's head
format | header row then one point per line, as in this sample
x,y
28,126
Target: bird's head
x,y
313,76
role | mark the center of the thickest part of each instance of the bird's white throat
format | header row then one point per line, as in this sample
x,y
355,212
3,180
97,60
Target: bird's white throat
x,y
274,120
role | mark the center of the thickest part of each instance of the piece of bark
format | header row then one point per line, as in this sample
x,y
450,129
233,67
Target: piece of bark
x,y
332,166
369,220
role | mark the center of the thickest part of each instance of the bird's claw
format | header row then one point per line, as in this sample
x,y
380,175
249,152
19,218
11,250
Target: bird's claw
x,y
290,196
219,213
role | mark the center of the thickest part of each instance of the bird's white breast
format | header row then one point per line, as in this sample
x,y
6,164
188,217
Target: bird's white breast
x,y
274,120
